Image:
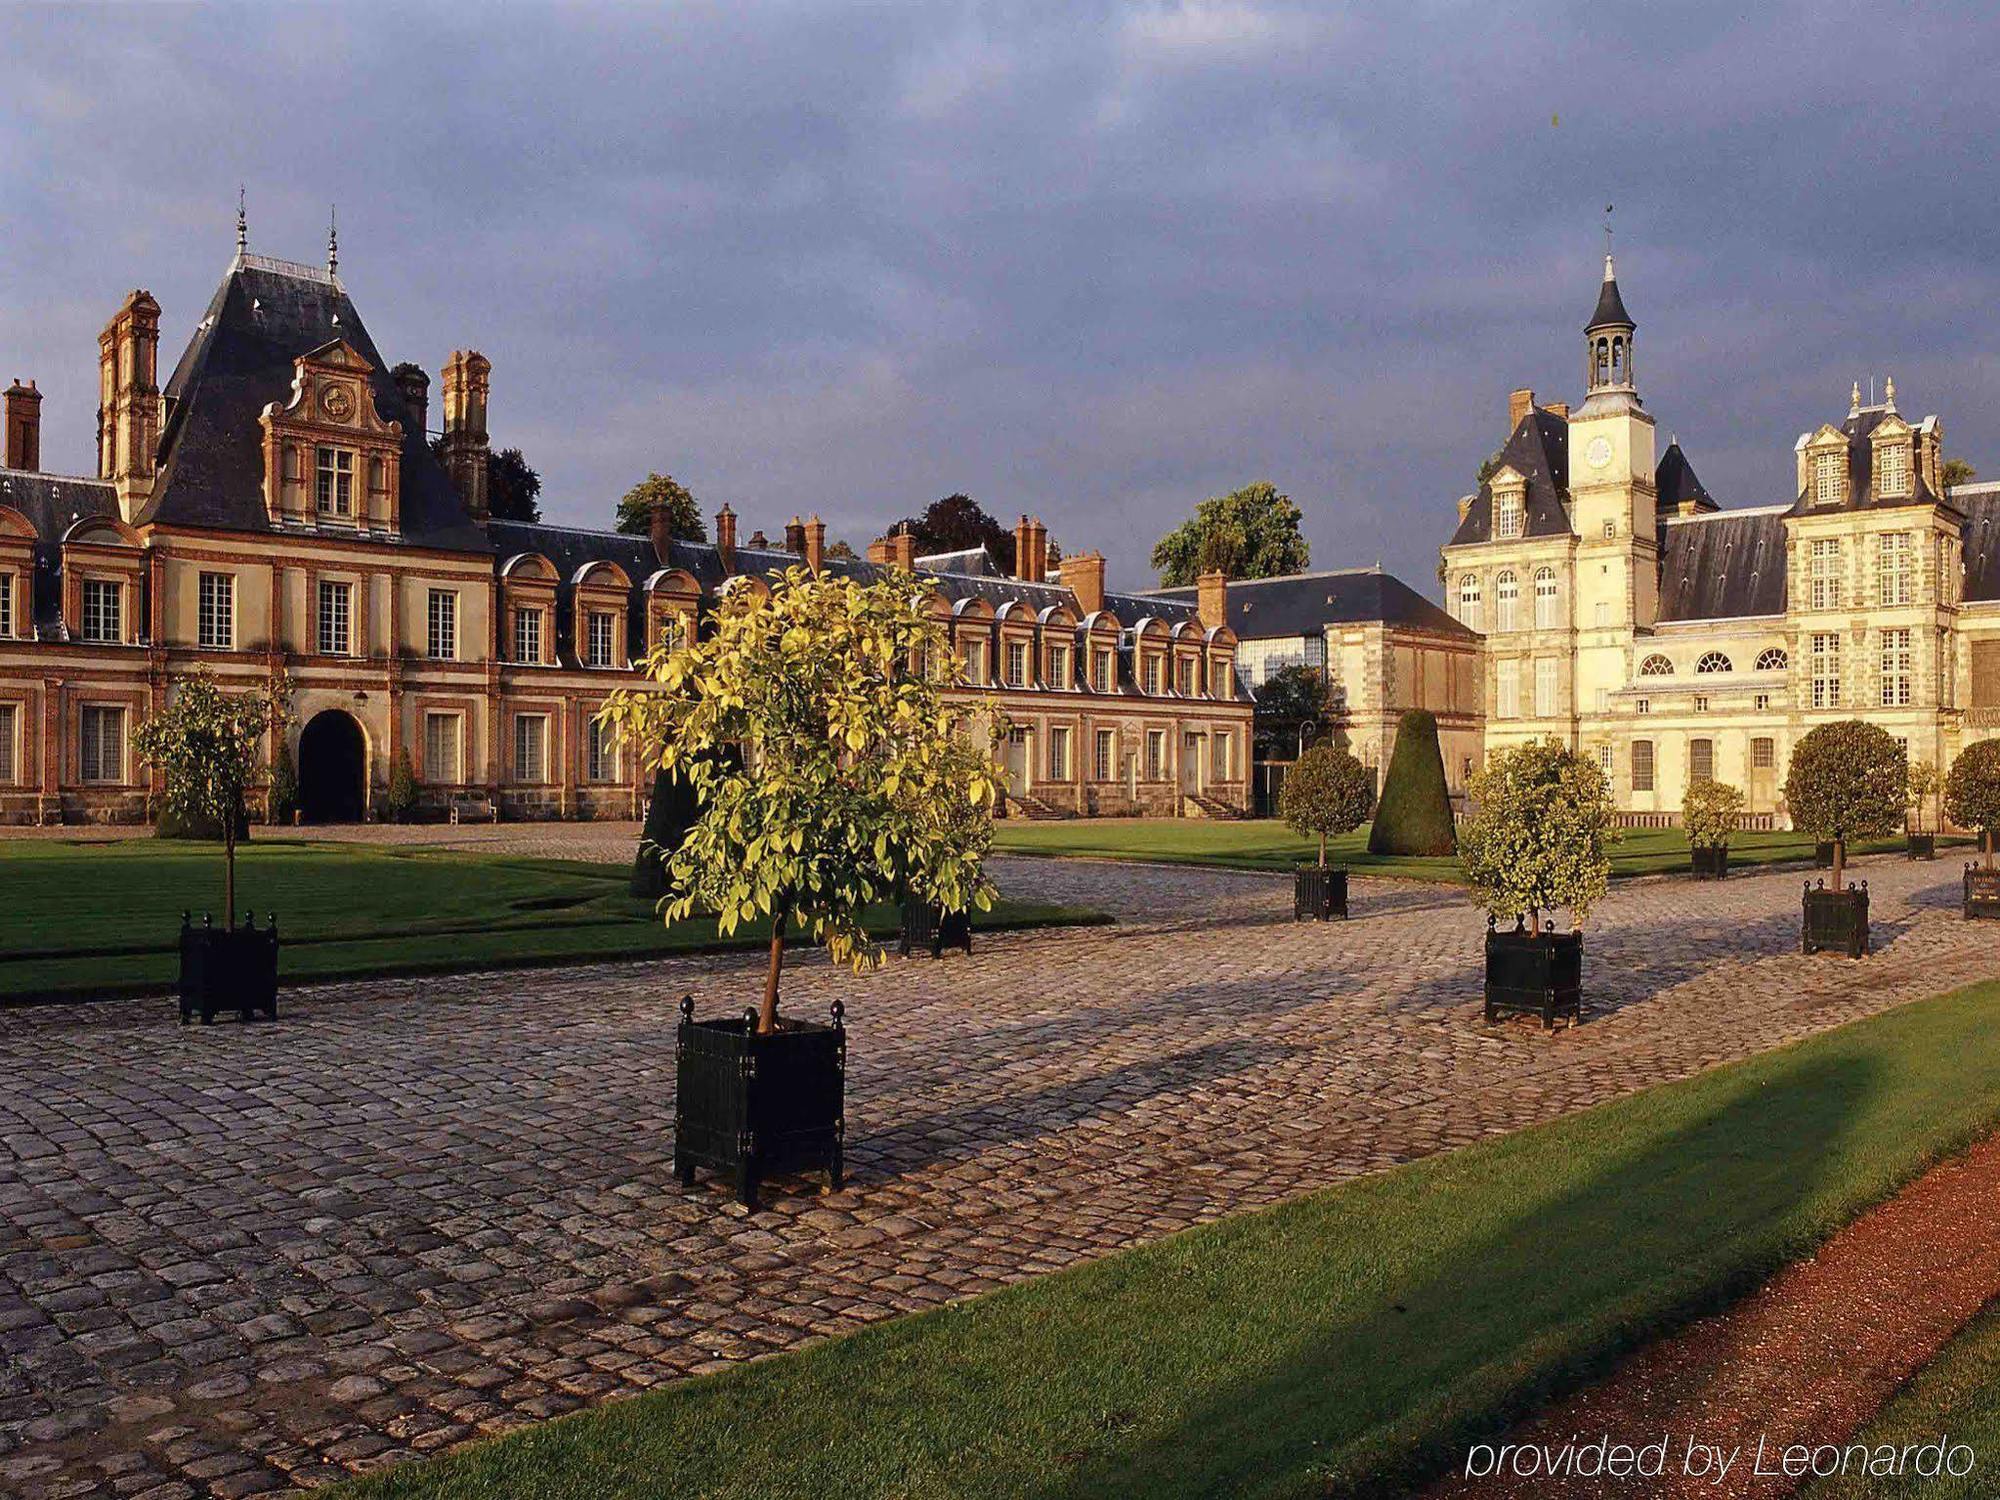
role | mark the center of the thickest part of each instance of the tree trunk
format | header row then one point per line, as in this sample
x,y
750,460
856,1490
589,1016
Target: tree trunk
x,y
1839,862
1988,838
767,1018
1322,851
229,872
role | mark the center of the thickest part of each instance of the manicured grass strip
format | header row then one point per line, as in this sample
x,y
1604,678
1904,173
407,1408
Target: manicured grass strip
x,y
1342,1343
1956,1395
1265,844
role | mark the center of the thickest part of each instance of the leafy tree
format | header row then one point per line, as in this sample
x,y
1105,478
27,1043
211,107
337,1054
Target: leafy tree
x,y
282,800
1972,792
205,741
1922,784
839,548
1325,793
1847,781
1248,533
1287,701
635,510
1955,471
401,800
1709,812
1540,833
854,787
957,523
1414,815
513,489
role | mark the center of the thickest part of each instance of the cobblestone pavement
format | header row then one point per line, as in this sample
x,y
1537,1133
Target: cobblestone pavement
x,y
411,1212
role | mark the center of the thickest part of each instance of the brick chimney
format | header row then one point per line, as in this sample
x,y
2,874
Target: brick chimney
x,y
1038,540
1519,404
660,526
878,552
415,386
1212,599
467,377
24,428
725,538
128,412
1084,573
903,549
1024,551
1557,408
758,541
815,534
795,537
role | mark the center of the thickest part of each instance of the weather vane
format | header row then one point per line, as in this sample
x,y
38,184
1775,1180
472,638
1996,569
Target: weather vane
x,y
1607,228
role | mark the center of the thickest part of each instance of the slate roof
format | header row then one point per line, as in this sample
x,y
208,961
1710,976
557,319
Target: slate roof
x,y
1610,310
1861,468
1302,604
53,503
263,317
1674,480
1538,449
1980,505
1723,566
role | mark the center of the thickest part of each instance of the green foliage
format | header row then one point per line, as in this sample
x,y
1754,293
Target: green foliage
x,y
513,489
857,784
1919,787
1956,471
283,797
1709,812
957,523
1414,816
1287,698
1847,781
1540,833
635,510
1972,790
401,800
1248,533
1326,793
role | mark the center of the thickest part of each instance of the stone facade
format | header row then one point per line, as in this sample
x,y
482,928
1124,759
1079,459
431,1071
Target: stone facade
x,y
276,510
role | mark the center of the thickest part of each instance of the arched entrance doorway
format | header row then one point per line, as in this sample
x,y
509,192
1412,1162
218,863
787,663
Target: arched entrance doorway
x,y
333,765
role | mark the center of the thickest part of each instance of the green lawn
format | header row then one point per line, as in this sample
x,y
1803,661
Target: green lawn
x,y
1344,1343
91,918
1266,844
1956,1395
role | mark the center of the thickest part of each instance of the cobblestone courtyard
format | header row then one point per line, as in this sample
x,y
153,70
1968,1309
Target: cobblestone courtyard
x,y
412,1212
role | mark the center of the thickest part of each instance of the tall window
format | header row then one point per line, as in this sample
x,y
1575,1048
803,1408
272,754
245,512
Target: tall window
x,y
1219,678
1187,676
1507,515
103,612
531,736
600,638
1101,677
1218,757
1156,754
441,733
600,751
1701,760
1826,670
1153,676
1017,664
215,624
1896,668
1507,690
336,482
1507,597
975,663
1545,598
1058,753
1763,754
1827,478
1825,567
1898,566
10,723
1892,473
1059,667
336,618
527,635
1103,760
1642,765
6,605
1468,601
443,621
1545,687
102,749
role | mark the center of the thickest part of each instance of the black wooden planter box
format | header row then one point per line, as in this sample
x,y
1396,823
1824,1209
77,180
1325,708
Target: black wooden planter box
x,y
1712,863
1835,921
1923,846
1533,973
759,1106
1823,856
228,968
933,928
1982,892
1319,895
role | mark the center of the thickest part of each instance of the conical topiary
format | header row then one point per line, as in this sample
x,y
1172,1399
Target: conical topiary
x,y
1413,815
669,815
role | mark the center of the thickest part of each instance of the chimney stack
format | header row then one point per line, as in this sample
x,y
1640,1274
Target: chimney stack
x,y
1024,551
815,535
416,388
1212,599
903,549
128,412
795,537
1557,409
467,377
1519,404
725,538
660,526
1084,573
1039,540
24,429
878,552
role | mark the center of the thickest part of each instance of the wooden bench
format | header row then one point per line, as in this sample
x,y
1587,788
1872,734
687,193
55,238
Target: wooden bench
x,y
482,809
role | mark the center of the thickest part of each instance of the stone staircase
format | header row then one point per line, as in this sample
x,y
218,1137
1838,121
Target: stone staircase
x,y
1203,806
1020,805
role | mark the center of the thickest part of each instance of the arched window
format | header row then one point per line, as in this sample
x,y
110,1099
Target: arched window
x,y
1656,666
1506,597
1545,598
1468,601
1713,661
1773,659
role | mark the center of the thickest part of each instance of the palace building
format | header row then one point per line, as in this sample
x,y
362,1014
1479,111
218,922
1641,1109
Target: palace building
x,y
276,510
1623,611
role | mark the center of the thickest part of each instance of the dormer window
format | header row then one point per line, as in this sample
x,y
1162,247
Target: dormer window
x,y
1828,478
336,482
1508,515
1892,473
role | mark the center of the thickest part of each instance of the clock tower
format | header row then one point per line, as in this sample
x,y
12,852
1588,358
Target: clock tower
x,y
1611,477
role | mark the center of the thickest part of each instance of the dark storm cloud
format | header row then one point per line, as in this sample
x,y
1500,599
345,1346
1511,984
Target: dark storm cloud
x,y
1091,262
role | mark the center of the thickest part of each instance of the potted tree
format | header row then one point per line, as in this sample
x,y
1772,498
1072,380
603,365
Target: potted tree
x,y
1846,781
205,743
400,803
1921,786
929,925
1972,800
1326,794
843,798
1538,839
1709,810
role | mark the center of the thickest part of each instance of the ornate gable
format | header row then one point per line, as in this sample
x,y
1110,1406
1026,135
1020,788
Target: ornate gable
x,y
330,461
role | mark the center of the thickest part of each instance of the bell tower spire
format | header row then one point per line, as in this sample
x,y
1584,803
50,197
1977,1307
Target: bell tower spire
x,y
1607,340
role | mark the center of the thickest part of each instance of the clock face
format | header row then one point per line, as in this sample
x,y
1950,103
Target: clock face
x,y
337,402
1599,452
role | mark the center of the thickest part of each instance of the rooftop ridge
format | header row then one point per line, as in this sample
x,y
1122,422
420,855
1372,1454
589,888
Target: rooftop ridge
x,y
297,270
59,478
1237,583
1723,514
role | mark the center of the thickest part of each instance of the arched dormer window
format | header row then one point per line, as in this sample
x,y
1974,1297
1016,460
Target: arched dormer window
x,y
1773,659
1507,600
1656,666
1713,661
1545,599
1468,601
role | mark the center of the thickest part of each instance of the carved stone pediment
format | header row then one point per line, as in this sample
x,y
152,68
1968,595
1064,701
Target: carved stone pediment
x,y
332,408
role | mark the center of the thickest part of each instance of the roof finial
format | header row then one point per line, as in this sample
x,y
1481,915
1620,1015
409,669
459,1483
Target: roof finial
x,y
242,223
332,240
1854,400
1889,393
1608,276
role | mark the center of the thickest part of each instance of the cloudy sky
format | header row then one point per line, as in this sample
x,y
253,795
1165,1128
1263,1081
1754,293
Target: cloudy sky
x,y
1095,262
